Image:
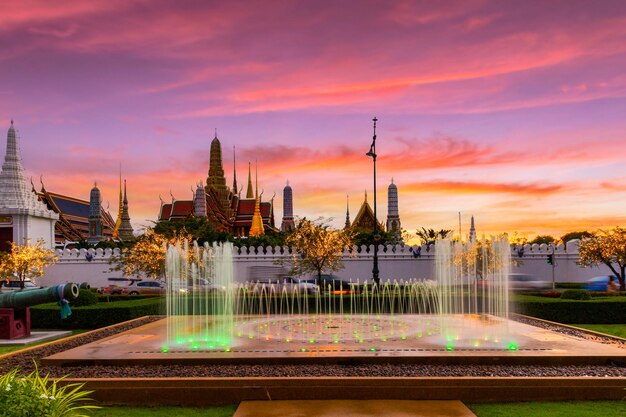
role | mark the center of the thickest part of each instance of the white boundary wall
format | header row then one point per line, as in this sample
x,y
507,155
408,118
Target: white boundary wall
x,y
395,262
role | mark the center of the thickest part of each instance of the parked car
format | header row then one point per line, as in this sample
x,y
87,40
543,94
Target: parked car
x,y
307,286
204,285
7,286
112,289
336,285
600,283
525,282
148,287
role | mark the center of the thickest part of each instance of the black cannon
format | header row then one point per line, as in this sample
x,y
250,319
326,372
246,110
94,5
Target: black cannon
x,y
15,312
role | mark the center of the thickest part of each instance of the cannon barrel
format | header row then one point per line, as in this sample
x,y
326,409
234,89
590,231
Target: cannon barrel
x,y
23,299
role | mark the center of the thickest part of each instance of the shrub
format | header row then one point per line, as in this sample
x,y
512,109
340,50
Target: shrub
x,y
575,295
46,316
33,395
608,310
85,298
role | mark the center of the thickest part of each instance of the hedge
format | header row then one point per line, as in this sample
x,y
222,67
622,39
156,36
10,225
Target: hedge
x,y
47,316
607,310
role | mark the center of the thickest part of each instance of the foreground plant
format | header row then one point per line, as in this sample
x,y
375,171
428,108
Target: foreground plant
x,y
33,395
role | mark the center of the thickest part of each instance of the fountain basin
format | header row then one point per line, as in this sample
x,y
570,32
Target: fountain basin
x,y
415,339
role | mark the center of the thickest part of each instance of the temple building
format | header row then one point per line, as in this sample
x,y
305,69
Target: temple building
x,y
224,207
23,217
365,219
78,219
393,215
472,232
288,223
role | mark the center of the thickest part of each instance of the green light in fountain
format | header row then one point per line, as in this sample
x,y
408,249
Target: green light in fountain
x,y
165,349
512,346
449,347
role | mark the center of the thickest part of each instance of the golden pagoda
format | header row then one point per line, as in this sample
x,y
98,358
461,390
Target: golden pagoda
x,y
257,228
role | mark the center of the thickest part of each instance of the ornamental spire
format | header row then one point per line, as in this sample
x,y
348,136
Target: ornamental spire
x,y
347,212
256,229
126,229
249,192
120,208
234,171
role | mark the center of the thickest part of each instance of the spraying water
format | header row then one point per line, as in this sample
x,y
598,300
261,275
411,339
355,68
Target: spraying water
x,y
207,310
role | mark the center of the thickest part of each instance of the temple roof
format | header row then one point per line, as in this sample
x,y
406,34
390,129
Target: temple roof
x,y
70,205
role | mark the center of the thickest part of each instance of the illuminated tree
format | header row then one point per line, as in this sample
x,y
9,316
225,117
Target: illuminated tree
x,y
26,261
317,247
147,255
608,248
428,237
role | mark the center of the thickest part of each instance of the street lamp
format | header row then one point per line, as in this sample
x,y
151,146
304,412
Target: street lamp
x,y
372,154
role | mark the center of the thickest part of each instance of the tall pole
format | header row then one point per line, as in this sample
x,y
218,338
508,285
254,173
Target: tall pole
x,y
372,154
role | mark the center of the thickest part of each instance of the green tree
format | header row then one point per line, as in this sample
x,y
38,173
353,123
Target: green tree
x,y
368,237
574,235
608,248
317,248
547,239
199,228
272,239
428,237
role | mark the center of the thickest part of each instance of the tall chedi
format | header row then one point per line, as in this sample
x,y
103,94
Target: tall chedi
x,y
23,216
393,216
249,191
120,208
472,232
288,221
257,228
216,181
126,229
95,216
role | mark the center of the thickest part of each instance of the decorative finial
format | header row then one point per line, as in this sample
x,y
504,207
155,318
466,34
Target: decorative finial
x,y
374,120
11,122
95,184
216,132
392,180
366,196
287,182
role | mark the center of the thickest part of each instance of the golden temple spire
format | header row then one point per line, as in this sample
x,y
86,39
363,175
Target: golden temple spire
x,y
256,229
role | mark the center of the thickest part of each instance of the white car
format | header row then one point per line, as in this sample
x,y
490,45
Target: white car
x,y
15,286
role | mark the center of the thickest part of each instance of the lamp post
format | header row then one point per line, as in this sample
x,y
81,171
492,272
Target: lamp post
x,y
372,154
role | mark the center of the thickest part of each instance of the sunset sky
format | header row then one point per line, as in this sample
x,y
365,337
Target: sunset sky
x,y
514,112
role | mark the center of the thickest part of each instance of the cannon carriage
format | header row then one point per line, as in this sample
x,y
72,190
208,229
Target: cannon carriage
x,y
15,307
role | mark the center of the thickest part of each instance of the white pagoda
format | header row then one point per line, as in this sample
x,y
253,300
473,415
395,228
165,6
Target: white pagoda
x,y
23,216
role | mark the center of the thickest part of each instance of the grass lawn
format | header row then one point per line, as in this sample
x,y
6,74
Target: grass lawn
x,y
224,411
7,349
618,330
529,409
551,409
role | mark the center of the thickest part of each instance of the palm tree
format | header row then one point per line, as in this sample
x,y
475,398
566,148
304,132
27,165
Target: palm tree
x,y
429,236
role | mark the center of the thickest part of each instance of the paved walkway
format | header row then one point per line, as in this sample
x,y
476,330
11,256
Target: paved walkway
x,y
353,408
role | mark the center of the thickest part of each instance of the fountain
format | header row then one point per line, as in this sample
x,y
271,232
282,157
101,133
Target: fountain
x,y
462,317
470,302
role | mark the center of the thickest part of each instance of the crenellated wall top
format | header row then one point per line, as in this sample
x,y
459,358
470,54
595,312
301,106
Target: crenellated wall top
x,y
399,251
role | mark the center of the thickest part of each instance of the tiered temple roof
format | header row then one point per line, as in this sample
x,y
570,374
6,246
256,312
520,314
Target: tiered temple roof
x,y
225,209
73,223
